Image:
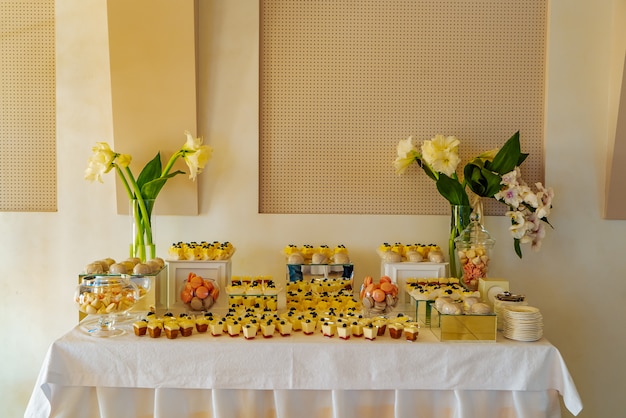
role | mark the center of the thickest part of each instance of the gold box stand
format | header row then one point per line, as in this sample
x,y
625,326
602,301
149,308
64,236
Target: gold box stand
x,y
463,327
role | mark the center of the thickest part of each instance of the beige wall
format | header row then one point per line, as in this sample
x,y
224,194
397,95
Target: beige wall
x,y
577,279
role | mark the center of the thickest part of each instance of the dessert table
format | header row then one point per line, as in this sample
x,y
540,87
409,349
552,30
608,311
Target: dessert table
x,y
299,376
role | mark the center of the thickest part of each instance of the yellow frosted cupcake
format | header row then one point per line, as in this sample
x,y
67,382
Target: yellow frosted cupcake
x,y
154,329
171,329
140,328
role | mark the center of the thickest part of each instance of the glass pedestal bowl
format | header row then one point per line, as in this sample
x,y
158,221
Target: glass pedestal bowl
x,y
144,285
105,297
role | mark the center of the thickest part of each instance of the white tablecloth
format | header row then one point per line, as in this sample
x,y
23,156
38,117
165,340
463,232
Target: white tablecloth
x,y
314,375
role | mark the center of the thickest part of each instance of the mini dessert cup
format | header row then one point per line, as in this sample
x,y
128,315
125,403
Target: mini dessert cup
x,y
411,331
370,332
396,330
250,330
344,330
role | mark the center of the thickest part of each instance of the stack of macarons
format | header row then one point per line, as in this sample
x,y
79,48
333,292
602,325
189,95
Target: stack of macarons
x,y
198,293
379,297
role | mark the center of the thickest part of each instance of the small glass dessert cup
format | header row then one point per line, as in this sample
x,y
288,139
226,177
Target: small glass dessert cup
x,y
105,297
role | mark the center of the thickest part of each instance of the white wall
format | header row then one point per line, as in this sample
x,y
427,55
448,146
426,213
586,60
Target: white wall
x,y
577,279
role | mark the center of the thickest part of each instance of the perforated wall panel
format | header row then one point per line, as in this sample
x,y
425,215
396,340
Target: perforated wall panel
x,y
343,81
27,106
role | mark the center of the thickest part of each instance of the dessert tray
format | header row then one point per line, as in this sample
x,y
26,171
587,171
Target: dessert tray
x,y
201,251
415,253
244,324
253,285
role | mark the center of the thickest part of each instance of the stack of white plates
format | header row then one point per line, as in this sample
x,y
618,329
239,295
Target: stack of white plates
x,y
498,309
522,323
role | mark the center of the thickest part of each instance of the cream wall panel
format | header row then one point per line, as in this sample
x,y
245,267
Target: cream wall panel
x,y
28,177
615,198
152,46
343,81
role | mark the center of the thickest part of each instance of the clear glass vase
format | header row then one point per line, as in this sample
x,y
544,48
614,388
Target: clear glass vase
x,y
459,220
142,244
474,248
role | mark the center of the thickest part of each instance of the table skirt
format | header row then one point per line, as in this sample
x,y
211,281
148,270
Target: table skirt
x,y
300,376
100,402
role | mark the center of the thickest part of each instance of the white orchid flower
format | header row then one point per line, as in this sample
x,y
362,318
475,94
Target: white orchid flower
x,y
511,196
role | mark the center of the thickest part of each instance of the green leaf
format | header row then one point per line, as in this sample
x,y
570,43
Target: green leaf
x,y
151,171
492,182
546,221
481,181
522,158
508,157
149,205
452,190
426,169
151,189
518,249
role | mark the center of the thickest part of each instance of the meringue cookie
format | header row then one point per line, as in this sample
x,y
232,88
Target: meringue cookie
x,y
451,308
341,258
440,301
392,257
435,257
295,258
414,257
118,268
319,258
480,309
94,268
142,268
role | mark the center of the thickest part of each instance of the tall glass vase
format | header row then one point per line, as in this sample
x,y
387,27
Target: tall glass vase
x,y
142,244
459,220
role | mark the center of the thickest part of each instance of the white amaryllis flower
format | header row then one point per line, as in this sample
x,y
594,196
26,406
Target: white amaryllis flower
x,y
123,160
442,154
406,155
488,155
94,172
405,147
195,155
100,162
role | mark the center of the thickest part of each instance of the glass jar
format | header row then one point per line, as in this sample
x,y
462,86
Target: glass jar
x,y
474,249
